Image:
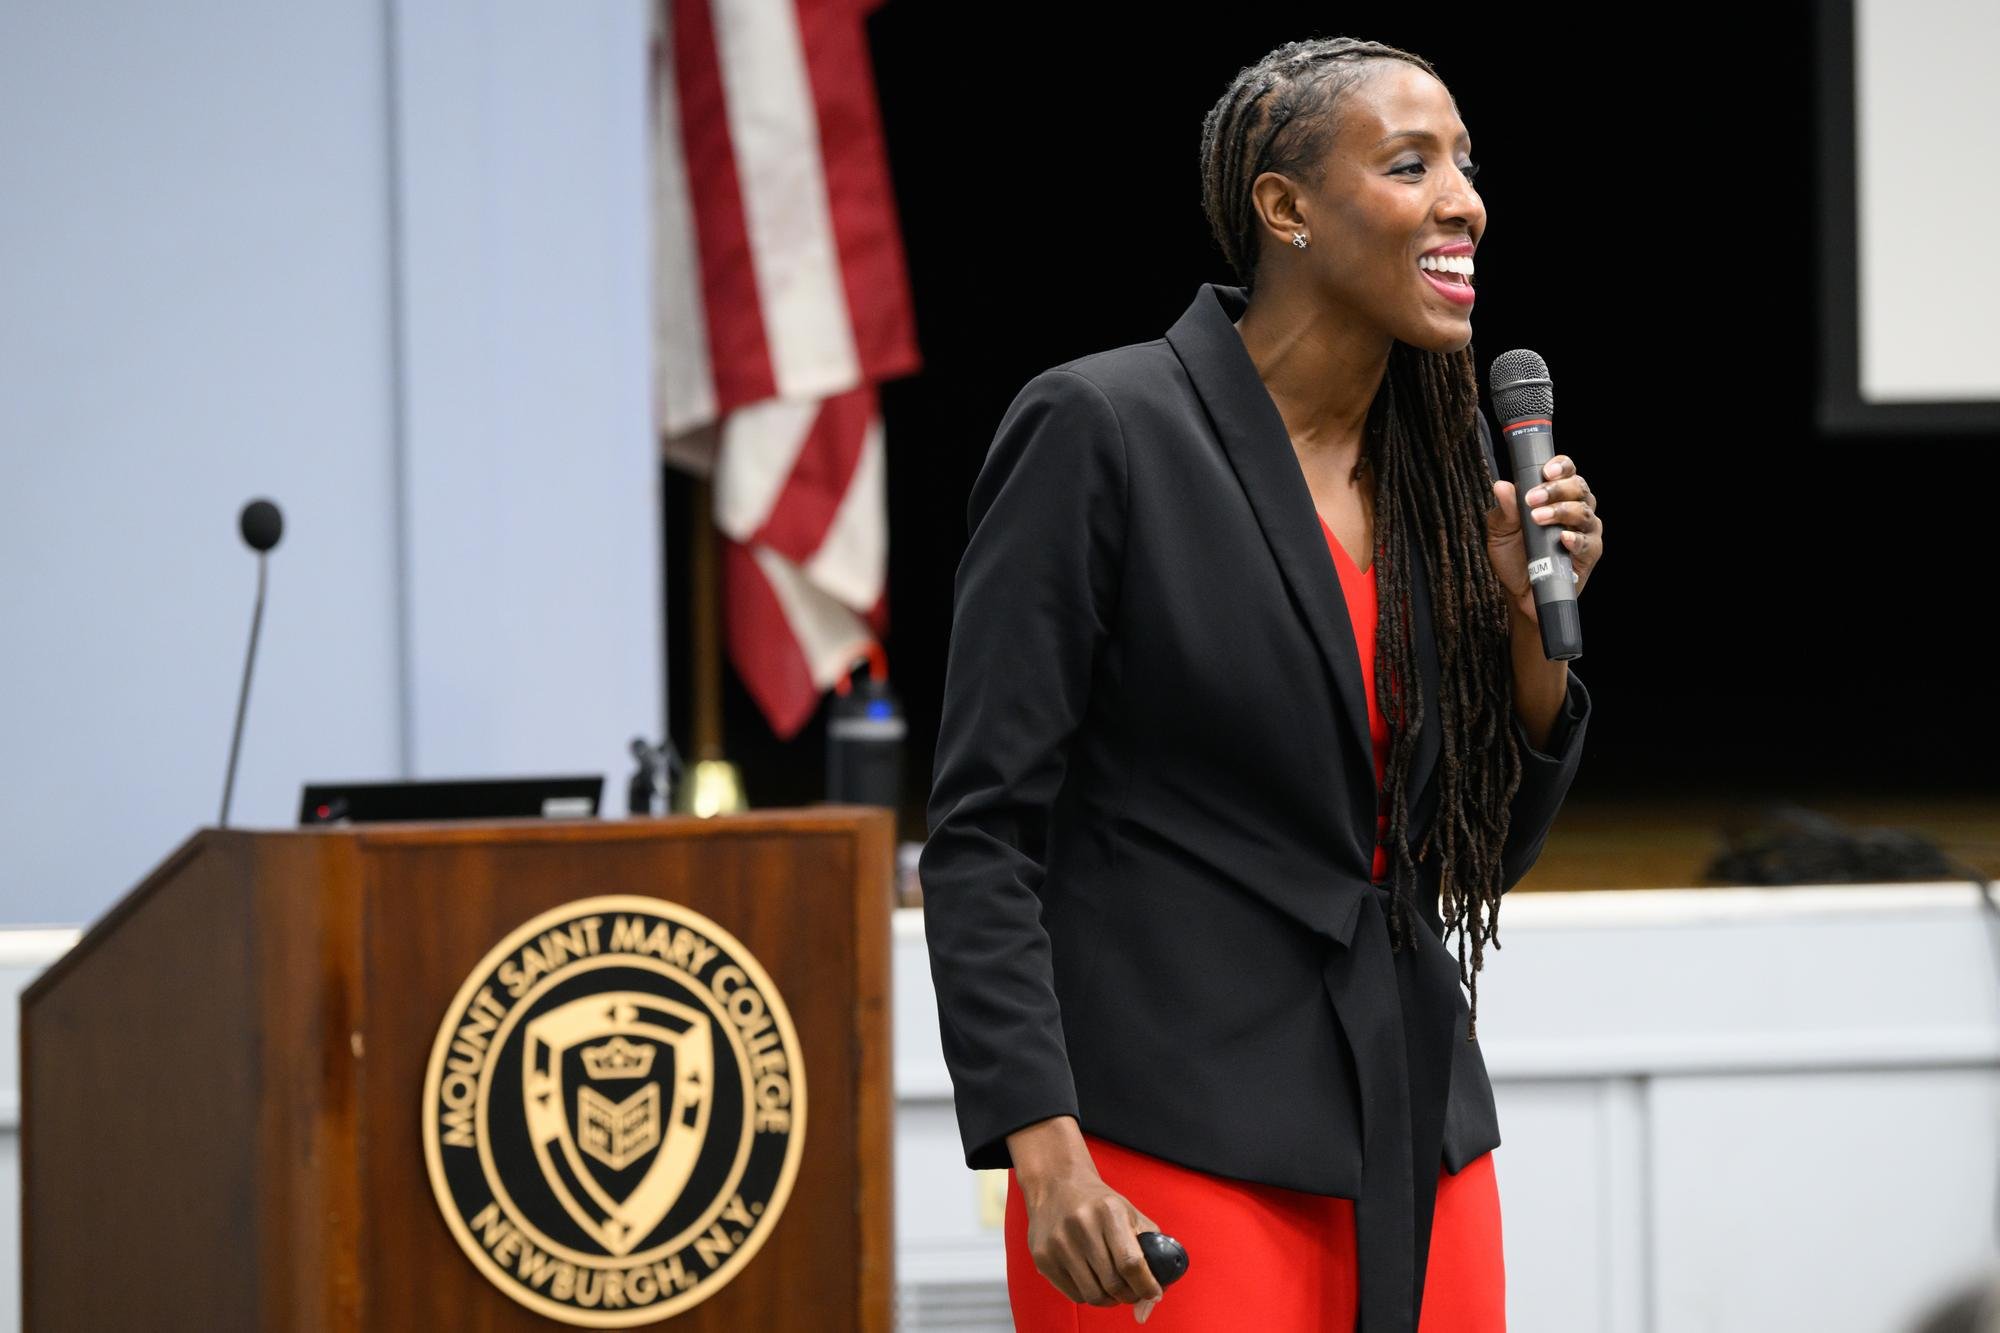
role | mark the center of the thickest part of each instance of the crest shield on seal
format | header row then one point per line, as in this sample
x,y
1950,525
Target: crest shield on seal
x,y
617,1088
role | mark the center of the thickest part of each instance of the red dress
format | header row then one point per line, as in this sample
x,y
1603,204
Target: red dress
x,y
1264,1257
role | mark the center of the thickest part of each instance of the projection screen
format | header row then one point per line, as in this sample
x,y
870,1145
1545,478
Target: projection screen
x,y
1909,120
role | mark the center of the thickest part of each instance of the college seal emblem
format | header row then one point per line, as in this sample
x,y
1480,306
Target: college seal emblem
x,y
614,1111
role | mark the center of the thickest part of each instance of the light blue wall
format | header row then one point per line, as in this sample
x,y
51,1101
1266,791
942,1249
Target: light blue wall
x,y
531,481
385,263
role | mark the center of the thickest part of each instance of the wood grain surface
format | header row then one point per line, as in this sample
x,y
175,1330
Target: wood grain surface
x,y
222,1082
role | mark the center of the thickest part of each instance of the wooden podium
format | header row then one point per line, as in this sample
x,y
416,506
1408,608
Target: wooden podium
x,y
485,1075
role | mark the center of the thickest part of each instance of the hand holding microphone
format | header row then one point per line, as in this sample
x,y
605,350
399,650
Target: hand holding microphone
x,y
1544,535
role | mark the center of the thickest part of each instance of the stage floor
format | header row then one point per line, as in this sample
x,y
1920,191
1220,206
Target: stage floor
x,y
1665,842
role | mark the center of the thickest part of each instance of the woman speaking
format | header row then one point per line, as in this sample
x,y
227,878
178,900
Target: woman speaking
x,y
1245,681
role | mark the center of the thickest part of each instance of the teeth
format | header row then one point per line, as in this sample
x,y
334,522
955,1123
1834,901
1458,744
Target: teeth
x,y
1447,263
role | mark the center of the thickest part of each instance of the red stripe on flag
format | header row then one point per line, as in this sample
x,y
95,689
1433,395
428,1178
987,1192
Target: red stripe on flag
x,y
860,198
739,355
761,646
821,473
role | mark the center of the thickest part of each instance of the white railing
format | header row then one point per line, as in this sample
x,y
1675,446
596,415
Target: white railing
x,y
23,954
1723,1110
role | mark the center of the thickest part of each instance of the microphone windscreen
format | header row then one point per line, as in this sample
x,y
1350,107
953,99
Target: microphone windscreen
x,y
262,524
1520,385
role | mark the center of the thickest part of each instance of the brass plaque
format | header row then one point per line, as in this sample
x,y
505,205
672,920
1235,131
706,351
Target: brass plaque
x,y
614,1111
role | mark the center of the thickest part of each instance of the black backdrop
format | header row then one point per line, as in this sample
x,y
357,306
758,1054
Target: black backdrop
x,y
1779,613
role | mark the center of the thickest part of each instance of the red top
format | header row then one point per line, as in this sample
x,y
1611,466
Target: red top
x,y
1358,587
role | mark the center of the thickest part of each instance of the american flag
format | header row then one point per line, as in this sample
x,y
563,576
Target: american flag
x,y
782,300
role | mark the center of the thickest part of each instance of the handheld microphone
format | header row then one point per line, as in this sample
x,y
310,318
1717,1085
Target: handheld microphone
x,y
261,525
1524,401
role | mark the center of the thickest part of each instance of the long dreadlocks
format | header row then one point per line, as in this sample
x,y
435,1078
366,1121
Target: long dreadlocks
x,y
1432,491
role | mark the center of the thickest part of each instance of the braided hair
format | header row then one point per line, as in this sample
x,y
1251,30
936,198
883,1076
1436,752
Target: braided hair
x,y
1433,489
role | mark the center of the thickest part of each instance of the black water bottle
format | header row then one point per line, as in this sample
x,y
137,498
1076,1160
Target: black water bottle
x,y
864,743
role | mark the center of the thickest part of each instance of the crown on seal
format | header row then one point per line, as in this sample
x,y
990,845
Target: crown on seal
x,y
618,1058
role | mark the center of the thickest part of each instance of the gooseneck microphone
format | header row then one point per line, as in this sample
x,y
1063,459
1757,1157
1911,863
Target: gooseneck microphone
x,y
262,525
1525,402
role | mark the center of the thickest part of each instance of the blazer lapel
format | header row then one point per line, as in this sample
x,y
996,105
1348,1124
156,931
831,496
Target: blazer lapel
x,y
1260,451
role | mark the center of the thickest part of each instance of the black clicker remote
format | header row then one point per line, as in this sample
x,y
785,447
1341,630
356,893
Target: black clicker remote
x,y
1165,1256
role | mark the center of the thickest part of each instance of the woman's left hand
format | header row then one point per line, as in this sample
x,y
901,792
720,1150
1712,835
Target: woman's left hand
x,y
1563,500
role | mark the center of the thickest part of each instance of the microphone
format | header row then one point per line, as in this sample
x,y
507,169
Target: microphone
x,y
1524,401
261,525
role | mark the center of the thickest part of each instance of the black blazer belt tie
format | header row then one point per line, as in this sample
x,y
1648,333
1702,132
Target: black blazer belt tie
x,y
1402,1139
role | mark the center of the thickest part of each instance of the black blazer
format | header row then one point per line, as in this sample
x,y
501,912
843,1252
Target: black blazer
x,y
1147,887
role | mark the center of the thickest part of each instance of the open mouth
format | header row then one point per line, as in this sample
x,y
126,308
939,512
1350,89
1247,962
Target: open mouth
x,y
1456,269
1450,276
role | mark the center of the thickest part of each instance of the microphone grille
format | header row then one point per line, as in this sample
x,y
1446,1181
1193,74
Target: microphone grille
x,y
262,524
1519,381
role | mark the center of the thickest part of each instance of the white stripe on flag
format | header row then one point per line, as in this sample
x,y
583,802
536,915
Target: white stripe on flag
x,y
830,637
853,557
775,133
760,444
683,379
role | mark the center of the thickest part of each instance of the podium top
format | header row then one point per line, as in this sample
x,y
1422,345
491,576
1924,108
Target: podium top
x,y
826,818
814,818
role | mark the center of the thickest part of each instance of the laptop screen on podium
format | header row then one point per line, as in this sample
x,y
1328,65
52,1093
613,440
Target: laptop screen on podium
x,y
451,798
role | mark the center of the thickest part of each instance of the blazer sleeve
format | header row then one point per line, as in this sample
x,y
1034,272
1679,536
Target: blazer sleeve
x,y
1546,775
1032,607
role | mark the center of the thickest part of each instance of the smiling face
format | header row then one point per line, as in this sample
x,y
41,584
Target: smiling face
x,y
1394,190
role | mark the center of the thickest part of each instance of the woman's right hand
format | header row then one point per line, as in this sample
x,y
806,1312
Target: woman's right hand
x,y
1083,1234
